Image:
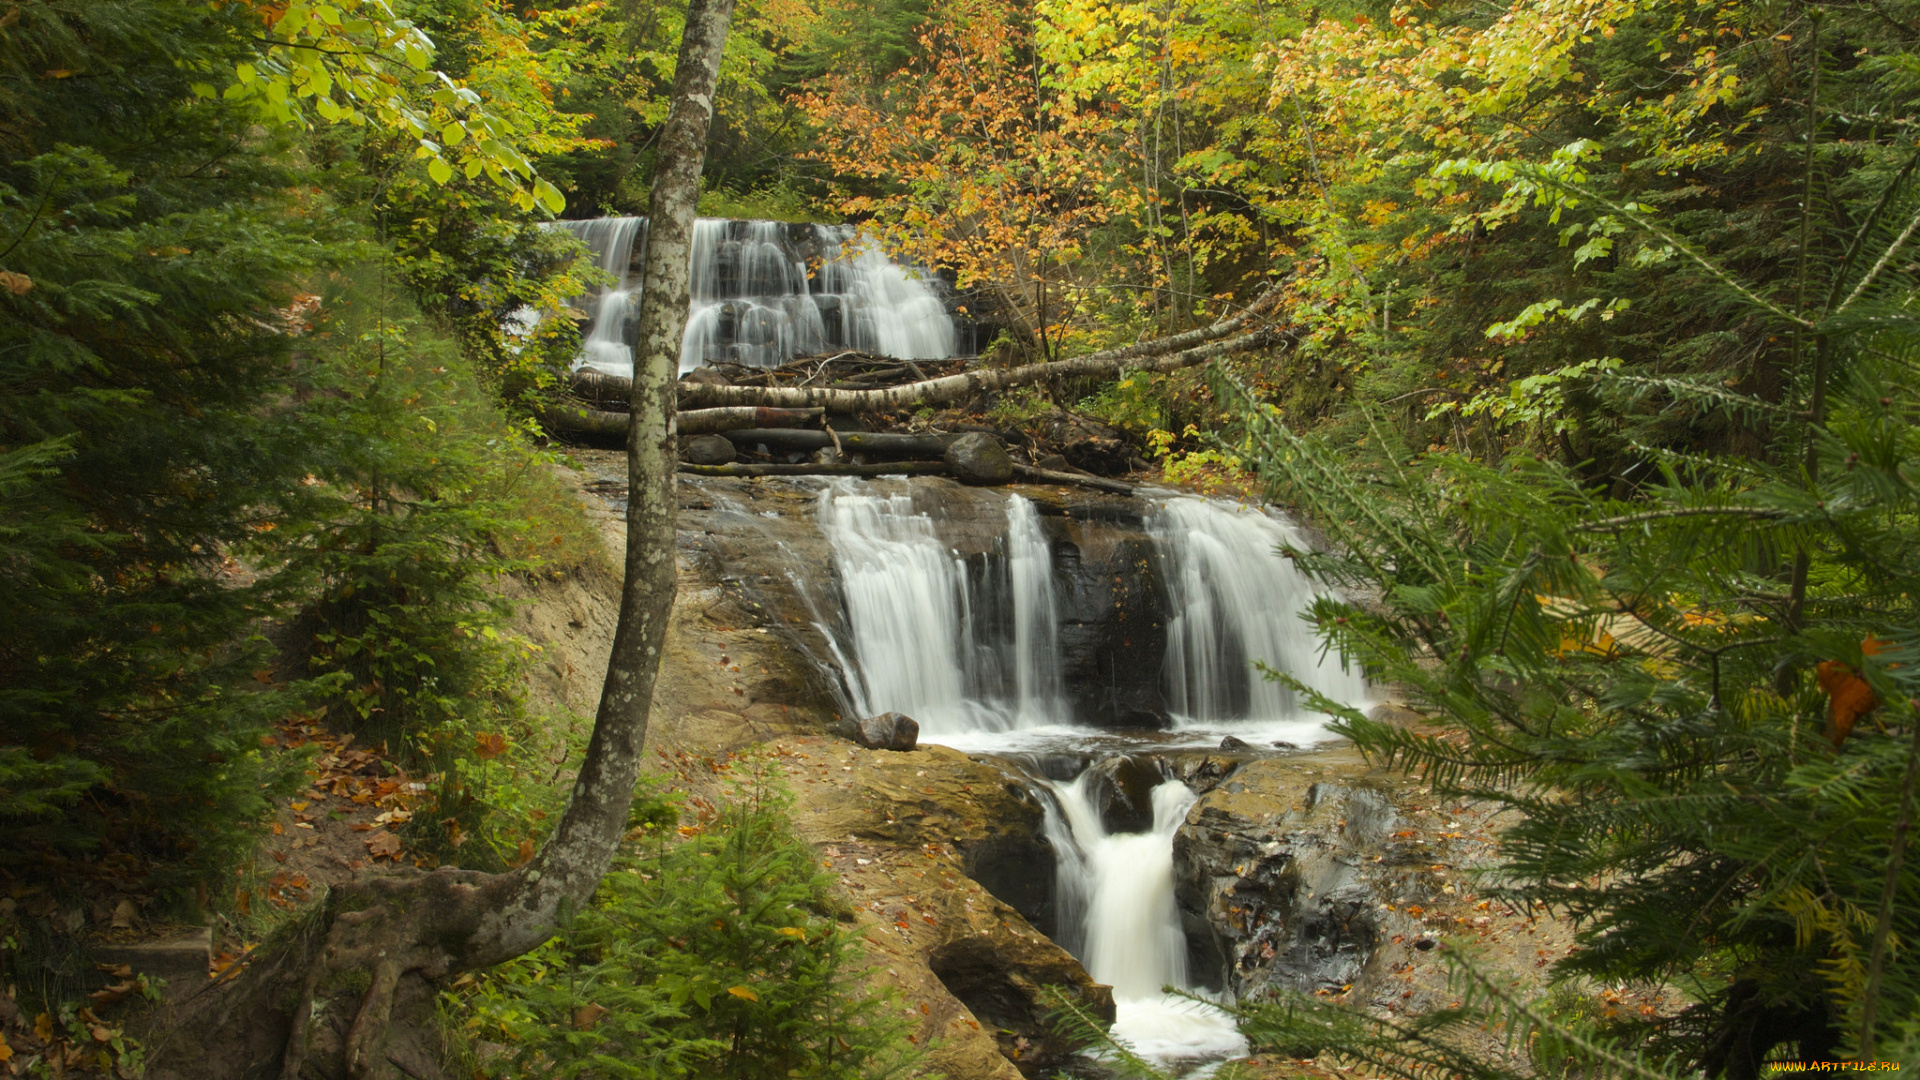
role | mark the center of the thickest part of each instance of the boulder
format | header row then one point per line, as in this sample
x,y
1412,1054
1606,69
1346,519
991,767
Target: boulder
x,y
1089,445
978,458
888,731
710,450
1122,787
1231,743
704,376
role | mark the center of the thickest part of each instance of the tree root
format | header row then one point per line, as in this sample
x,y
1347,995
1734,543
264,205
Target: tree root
x,y
364,945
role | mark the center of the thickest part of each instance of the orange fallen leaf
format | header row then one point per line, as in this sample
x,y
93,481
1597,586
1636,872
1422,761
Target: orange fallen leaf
x,y
1849,697
743,993
586,1016
489,746
384,844
17,284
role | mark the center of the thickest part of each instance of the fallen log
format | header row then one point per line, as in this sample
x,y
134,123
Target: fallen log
x,y
1050,476
739,417
563,418
1163,354
897,468
952,387
862,442
582,420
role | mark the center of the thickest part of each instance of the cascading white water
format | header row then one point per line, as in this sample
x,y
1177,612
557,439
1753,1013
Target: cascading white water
x,y
1041,699
603,347
917,644
1114,909
764,292
1234,602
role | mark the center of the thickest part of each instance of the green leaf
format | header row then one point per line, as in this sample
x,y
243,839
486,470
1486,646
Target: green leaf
x,y
439,170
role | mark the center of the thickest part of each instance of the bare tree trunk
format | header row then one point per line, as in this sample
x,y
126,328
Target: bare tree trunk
x,y
1163,354
322,1000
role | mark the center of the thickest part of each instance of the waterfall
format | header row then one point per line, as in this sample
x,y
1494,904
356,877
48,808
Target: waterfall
x,y
764,292
1036,619
1115,911
604,347
922,639
1233,602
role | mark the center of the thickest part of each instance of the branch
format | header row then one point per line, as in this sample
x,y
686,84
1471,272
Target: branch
x,y
1618,523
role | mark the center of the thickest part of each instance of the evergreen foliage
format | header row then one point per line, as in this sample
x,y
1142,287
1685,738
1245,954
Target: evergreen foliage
x,y
711,950
1703,701
152,249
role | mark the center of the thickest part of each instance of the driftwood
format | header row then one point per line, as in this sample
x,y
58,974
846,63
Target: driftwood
x,y
1050,476
853,442
897,468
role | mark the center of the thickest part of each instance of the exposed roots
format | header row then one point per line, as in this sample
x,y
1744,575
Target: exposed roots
x,y
345,995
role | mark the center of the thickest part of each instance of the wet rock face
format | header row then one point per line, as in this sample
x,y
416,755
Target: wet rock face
x,y
1272,876
931,846
1113,635
1122,787
938,795
1000,981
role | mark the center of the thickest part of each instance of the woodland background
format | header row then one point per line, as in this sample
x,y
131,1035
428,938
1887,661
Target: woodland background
x,y
1595,309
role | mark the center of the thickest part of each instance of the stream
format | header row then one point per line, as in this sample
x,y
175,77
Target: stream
x,y
989,651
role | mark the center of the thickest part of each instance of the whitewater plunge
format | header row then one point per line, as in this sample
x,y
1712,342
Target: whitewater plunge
x,y
975,647
765,292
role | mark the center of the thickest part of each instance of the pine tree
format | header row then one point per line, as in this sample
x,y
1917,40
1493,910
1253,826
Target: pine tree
x,y
153,244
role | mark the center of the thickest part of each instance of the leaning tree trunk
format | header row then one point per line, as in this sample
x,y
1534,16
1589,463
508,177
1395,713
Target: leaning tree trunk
x,y
324,998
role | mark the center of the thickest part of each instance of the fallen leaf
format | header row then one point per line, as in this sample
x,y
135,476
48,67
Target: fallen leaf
x,y
488,746
384,844
111,994
43,1027
124,913
588,1015
1849,697
743,993
17,284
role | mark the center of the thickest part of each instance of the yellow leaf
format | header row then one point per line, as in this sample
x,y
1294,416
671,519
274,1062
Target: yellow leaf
x,y
792,932
743,993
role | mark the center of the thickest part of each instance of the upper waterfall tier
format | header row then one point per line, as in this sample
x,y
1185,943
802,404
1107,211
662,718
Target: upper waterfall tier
x,y
765,292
